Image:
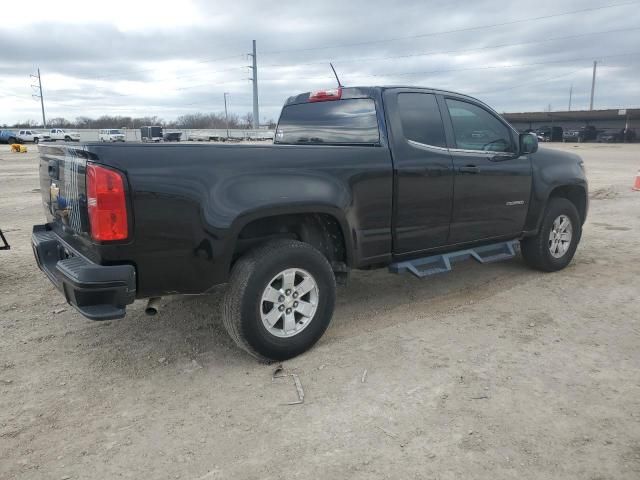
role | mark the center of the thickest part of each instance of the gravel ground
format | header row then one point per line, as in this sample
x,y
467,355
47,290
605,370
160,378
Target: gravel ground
x,y
488,372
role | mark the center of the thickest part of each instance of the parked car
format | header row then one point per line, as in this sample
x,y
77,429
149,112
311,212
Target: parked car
x,y
608,137
570,135
357,178
172,136
588,133
28,136
628,135
550,134
65,135
584,134
8,136
151,134
111,135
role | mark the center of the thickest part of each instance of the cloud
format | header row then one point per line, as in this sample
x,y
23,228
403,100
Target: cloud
x,y
167,59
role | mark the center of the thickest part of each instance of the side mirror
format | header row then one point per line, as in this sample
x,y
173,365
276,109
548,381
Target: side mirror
x,y
528,143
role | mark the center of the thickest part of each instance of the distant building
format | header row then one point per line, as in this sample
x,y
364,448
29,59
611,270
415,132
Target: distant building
x,y
613,119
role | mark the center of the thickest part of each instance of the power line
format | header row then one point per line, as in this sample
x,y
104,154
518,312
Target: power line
x,y
490,67
486,67
12,95
458,30
380,58
442,52
539,82
175,89
209,60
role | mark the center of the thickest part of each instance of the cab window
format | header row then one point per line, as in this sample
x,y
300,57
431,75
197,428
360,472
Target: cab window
x,y
475,128
348,121
420,118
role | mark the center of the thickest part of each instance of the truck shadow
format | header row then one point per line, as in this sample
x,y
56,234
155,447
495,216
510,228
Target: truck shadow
x,y
189,328
371,301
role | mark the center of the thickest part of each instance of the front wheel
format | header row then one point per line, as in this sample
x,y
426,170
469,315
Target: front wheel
x,y
36,140
555,243
280,299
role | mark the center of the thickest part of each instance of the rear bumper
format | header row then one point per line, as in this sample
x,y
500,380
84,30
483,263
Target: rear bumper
x,y
98,292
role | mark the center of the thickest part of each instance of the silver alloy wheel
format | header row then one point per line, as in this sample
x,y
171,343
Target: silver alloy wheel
x,y
289,302
560,236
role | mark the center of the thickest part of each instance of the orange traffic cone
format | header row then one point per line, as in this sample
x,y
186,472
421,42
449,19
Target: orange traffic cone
x,y
636,184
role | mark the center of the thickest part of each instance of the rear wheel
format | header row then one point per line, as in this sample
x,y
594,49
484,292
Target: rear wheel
x,y
555,244
280,299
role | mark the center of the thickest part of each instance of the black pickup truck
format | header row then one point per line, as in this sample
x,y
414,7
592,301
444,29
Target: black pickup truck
x,y
356,178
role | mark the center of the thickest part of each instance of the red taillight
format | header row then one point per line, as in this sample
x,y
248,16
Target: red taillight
x,y
106,204
325,95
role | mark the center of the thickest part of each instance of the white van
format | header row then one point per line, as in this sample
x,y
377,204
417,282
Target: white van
x,y
111,135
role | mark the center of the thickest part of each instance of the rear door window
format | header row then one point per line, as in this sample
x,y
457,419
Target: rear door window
x,y
420,118
349,121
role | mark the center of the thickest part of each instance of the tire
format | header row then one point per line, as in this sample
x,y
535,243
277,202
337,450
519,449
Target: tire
x,y
536,250
36,140
244,305
67,139
12,140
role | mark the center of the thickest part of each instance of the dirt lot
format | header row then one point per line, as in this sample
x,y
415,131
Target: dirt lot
x,y
489,372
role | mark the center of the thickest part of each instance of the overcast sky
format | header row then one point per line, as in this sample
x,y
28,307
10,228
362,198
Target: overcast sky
x,y
140,57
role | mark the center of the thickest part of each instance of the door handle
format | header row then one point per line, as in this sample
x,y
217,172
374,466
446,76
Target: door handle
x,y
469,169
502,157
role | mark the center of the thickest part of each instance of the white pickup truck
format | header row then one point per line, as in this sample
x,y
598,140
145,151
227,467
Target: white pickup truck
x,y
66,135
25,136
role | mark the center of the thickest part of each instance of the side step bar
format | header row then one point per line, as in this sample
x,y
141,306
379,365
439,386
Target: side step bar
x,y
423,267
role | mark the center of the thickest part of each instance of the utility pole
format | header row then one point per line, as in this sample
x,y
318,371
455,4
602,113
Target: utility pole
x,y
593,84
254,79
570,95
39,87
226,114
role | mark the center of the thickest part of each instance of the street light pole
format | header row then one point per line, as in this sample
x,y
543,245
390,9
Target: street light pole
x,y
254,79
593,84
39,87
226,114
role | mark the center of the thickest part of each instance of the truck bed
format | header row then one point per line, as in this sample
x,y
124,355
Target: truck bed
x,y
194,200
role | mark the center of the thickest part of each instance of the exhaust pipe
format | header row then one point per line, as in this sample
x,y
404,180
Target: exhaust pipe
x,y
153,305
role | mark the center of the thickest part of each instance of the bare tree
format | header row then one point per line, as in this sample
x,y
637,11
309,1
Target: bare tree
x,y
196,120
